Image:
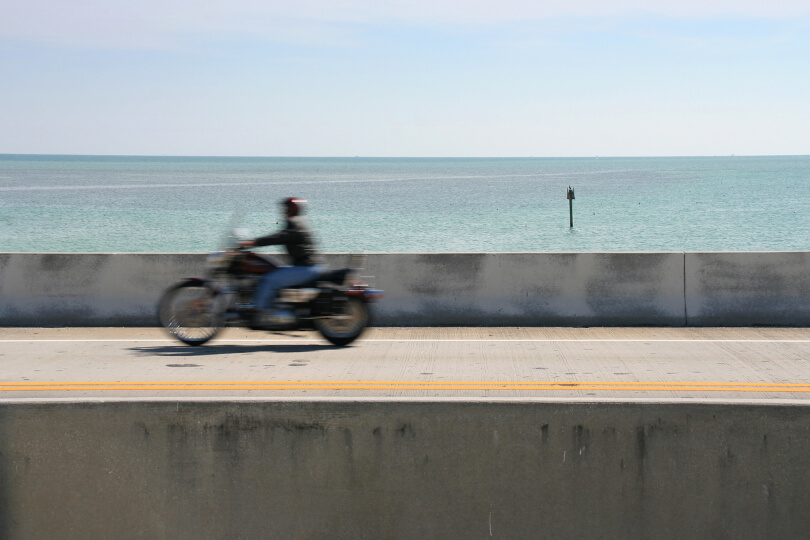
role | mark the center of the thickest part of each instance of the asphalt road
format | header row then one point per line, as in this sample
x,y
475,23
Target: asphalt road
x,y
699,364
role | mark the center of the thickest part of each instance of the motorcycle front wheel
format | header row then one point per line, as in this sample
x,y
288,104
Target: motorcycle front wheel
x,y
344,328
189,312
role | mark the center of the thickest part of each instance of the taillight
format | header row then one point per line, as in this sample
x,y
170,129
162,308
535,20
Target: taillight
x,y
373,294
367,294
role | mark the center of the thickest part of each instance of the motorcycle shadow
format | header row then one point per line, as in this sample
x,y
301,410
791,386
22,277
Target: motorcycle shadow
x,y
208,350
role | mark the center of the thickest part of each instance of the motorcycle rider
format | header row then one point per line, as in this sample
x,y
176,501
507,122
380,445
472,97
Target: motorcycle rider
x,y
296,237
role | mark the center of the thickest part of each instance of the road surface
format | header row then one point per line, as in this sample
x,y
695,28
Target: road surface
x,y
582,364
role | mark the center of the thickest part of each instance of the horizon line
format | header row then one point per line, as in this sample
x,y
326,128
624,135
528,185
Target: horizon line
x,y
234,156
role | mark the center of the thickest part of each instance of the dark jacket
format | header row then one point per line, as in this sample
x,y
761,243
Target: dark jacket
x,y
297,238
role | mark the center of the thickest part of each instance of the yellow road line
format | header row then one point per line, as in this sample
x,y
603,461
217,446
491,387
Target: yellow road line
x,y
406,385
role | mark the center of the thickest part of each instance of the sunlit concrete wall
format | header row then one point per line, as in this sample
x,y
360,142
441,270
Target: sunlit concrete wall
x,y
531,288
403,470
66,289
583,289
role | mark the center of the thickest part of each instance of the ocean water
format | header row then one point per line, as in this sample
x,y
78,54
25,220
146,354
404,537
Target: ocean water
x,y
168,204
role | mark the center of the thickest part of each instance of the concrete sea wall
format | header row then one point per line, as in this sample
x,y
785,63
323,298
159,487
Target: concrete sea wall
x,y
532,289
387,469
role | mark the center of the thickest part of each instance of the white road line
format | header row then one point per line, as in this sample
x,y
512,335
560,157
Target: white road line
x,y
306,340
158,340
589,340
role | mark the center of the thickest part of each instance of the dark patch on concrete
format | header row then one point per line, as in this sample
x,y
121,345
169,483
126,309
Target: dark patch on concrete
x,y
641,456
377,436
238,432
55,312
169,269
452,273
582,439
406,431
544,433
142,427
347,441
74,269
749,289
177,448
54,262
177,433
641,445
632,287
298,427
234,423
611,432
4,260
183,365
727,459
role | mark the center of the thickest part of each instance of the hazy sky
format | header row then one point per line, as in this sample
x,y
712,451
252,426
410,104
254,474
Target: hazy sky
x,y
405,78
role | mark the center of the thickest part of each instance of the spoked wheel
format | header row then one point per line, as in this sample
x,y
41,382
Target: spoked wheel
x,y
189,312
344,328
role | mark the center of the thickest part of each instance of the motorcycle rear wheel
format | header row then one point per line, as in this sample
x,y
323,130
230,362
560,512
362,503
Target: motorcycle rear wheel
x,y
346,327
188,311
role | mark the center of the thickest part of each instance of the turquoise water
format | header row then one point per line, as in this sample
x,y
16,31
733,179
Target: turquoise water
x,y
166,204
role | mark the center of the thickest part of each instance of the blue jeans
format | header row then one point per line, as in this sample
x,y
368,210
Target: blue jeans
x,y
286,276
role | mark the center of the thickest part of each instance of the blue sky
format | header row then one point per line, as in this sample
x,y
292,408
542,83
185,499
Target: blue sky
x,y
419,78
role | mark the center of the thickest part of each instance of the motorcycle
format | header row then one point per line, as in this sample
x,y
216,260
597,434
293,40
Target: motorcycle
x,y
336,303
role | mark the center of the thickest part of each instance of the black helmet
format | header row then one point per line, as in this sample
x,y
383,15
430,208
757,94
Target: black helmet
x,y
294,205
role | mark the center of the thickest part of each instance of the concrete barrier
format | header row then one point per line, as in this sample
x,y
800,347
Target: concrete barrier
x,y
740,289
382,469
529,289
83,289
